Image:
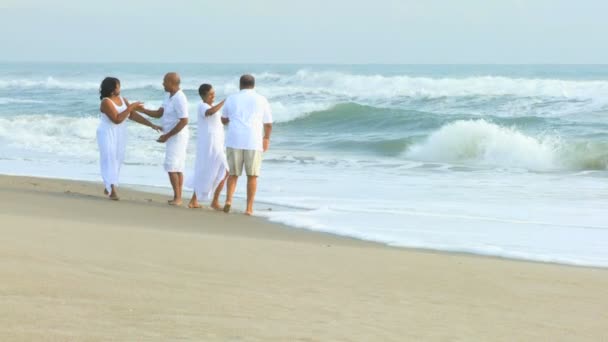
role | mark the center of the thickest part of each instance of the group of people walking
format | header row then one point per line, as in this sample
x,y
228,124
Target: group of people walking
x,y
219,157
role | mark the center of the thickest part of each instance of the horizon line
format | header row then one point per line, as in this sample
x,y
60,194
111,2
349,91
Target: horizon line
x,y
288,63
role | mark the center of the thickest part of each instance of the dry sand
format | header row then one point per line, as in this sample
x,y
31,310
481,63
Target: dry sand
x,y
75,266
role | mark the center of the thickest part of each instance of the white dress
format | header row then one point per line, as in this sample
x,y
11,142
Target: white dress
x,y
112,140
211,165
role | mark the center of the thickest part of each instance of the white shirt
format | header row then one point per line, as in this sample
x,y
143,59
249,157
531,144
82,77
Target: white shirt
x,y
174,108
247,111
208,124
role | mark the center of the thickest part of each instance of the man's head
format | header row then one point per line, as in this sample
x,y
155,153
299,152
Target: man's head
x,y
247,82
171,82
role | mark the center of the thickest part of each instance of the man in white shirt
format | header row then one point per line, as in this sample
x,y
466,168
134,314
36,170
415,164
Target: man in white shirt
x,y
249,121
174,114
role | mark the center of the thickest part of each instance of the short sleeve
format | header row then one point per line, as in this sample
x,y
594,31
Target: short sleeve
x,y
181,107
164,104
227,108
202,109
267,112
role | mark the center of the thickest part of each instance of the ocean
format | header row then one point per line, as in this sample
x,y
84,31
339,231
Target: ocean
x,y
508,161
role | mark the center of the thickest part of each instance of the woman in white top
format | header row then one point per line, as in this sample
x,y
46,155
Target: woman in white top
x,y
112,132
211,166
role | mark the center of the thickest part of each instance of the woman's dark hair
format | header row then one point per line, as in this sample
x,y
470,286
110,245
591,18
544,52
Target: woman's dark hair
x,y
204,89
108,86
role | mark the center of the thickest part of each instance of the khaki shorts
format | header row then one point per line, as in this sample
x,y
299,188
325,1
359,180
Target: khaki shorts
x,y
252,160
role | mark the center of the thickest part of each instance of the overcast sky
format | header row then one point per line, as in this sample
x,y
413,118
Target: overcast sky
x,y
305,31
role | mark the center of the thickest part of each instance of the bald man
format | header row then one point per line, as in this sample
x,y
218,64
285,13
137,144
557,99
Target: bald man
x,y
174,119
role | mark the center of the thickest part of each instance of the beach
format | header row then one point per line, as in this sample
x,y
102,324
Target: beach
x,y
78,267
497,160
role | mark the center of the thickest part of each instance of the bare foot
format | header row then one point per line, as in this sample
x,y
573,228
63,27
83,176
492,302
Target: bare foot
x,y
176,203
216,206
114,197
227,208
249,213
194,205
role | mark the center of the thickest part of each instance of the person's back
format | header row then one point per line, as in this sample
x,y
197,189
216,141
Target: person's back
x,y
249,121
247,111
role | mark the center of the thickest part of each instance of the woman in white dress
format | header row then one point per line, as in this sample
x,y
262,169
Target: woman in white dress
x,y
211,166
112,132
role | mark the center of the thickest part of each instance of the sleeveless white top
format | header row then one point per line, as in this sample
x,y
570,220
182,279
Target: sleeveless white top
x,y
104,117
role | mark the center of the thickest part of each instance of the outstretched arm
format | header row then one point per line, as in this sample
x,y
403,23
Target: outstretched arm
x,y
214,109
135,116
180,125
153,113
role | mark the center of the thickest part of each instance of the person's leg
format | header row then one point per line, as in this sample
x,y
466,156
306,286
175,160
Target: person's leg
x,y
215,204
252,186
194,202
235,165
180,176
253,163
232,180
113,194
174,179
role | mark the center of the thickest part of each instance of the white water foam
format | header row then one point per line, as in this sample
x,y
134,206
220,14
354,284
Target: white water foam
x,y
514,215
482,142
473,142
392,86
48,137
48,83
298,94
343,85
472,95
10,100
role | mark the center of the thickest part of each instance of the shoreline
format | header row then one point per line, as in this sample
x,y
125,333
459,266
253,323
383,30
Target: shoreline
x,y
134,194
77,266
136,190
